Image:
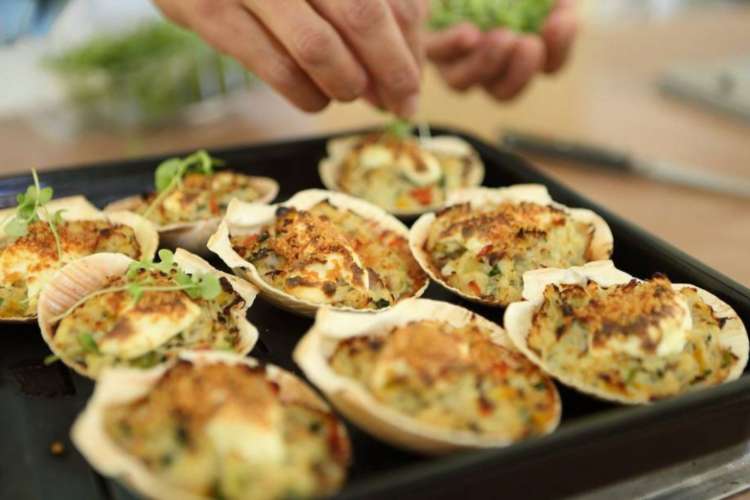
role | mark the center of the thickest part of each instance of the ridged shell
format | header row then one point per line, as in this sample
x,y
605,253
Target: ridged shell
x,y
330,167
122,385
600,248
519,316
79,208
248,218
84,276
192,236
356,403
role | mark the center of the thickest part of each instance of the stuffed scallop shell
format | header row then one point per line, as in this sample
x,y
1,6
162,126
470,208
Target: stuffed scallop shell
x,y
213,425
92,320
406,176
480,245
27,263
191,213
608,334
428,376
320,249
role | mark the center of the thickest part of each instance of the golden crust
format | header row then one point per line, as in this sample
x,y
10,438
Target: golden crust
x,y
382,370
601,331
202,425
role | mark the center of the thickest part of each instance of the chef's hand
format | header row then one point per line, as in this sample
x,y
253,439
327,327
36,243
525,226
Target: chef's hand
x,y
500,61
315,51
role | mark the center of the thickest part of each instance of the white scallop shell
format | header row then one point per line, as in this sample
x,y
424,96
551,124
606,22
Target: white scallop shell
x,y
358,405
84,276
600,247
122,385
192,236
248,218
79,208
519,316
330,167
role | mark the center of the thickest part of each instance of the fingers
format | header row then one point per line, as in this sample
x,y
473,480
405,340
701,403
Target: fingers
x,y
370,27
453,43
526,59
410,16
559,32
488,61
315,46
232,30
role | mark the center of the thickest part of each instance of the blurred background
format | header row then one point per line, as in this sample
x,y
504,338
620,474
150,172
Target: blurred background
x,y
662,79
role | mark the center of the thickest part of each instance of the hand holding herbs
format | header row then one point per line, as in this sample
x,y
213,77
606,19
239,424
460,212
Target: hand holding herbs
x,y
471,51
32,208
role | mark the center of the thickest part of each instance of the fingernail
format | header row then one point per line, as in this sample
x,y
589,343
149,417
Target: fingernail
x,y
409,106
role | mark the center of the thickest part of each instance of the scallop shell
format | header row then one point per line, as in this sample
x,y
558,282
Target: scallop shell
x,y
358,405
519,316
248,218
192,236
123,385
600,247
330,167
88,274
79,208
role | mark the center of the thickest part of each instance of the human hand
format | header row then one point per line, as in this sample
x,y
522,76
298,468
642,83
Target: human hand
x,y
315,51
500,61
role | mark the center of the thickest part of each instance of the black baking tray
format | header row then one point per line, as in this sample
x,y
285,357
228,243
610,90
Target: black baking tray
x,y
596,444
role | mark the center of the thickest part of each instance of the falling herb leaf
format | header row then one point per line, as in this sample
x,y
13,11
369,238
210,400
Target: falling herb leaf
x,y
399,128
52,358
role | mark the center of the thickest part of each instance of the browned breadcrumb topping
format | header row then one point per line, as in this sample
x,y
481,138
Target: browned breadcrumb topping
x,y
574,321
168,430
451,377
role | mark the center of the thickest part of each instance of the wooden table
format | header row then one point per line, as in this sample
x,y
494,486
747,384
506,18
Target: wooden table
x,y
606,96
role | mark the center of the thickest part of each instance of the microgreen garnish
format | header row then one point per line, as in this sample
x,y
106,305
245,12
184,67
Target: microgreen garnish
x,y
399,128
495,271
50,359
87,343
169,174
197,286
31,204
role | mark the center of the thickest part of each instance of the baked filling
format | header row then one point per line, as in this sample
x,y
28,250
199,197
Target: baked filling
x,y
327,255
396,173
116,328
227,431
484,251
630,340
28,262
453,378
198,197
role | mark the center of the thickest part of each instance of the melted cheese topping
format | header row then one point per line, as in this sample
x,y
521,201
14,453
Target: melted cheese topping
x,y
630,340
224,431
330,256
483,252
112,328
28,263
199,197
451,378
397,174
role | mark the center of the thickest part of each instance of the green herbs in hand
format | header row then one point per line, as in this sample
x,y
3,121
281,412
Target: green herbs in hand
x,y
523,16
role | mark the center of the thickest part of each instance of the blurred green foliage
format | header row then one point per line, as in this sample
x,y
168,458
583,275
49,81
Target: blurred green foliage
x,y
153,70
518,15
